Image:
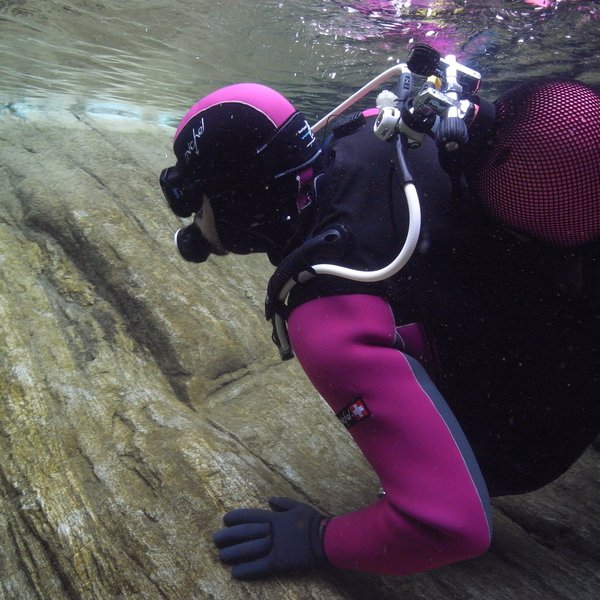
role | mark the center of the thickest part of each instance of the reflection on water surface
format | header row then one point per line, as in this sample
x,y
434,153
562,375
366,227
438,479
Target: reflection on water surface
x,y
154,57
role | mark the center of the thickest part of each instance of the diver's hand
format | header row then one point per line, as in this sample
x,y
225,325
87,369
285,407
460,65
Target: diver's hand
x,y
259,542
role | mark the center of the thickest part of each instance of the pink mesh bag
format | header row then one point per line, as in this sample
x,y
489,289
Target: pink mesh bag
x,y
541,172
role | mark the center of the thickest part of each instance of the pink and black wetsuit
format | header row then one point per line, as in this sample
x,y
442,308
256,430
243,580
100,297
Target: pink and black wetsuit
x,y
436,507
461,308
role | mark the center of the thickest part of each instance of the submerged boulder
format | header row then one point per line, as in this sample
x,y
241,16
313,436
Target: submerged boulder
x,y
142,398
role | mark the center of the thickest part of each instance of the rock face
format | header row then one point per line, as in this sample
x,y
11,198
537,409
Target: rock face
x,y
142,398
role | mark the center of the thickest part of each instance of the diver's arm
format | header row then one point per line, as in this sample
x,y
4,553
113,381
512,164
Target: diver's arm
x,y
436,507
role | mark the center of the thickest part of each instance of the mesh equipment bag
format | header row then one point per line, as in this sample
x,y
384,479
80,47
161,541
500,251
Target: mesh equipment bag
x,y
539,174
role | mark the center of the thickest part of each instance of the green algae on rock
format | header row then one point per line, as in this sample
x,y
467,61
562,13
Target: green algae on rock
x,y
142,398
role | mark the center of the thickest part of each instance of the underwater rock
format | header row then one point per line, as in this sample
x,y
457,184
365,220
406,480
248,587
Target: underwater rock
x,y
142,398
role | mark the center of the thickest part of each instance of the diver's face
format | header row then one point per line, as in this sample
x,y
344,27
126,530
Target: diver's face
x,y
205,221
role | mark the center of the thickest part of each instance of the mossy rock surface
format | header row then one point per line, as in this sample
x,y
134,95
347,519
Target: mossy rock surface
x,y
142,398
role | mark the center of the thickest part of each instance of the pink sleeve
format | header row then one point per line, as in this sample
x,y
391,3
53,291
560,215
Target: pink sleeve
x,y
436,508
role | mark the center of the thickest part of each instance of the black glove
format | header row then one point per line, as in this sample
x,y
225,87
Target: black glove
x,y
262,542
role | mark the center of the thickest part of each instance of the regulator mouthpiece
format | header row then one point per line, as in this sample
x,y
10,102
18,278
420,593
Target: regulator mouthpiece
x,y
192,245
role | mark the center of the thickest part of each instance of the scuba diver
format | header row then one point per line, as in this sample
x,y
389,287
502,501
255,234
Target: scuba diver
x,y
437,277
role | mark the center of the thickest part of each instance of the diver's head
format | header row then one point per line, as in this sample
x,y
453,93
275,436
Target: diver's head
x,y
239,152
539,175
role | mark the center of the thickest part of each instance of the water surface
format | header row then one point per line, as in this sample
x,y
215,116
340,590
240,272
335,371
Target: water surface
x,y
152,58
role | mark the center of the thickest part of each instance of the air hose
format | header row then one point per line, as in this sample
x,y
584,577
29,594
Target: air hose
x,y
296,269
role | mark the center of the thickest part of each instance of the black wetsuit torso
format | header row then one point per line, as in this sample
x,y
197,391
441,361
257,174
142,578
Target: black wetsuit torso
x,y
516,334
